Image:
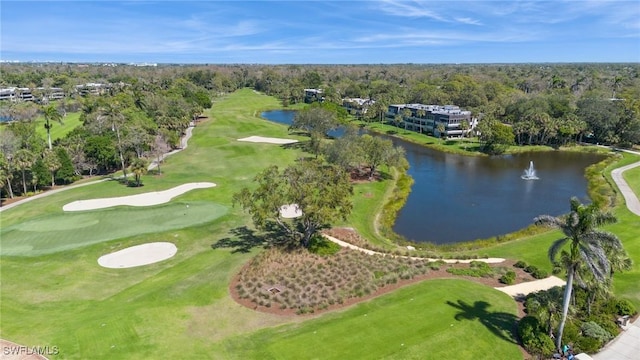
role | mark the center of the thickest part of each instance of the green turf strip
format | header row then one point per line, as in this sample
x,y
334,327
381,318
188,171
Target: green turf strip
x,y
428,320
57,232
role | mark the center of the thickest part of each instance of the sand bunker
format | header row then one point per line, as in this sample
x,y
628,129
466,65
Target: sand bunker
x,y
146,199
290,211
139,255
526,288
268,140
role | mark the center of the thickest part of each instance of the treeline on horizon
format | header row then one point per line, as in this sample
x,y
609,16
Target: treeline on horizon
x,y
151,107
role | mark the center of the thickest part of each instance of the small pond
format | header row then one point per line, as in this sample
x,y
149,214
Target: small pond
x,y
460,198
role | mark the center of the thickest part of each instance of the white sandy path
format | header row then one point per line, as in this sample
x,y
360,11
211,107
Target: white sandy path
x,y
138,255
529,287
146,199
448,261
513,290
268,140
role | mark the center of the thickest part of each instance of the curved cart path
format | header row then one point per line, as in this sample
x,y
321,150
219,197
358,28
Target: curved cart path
x,y
630,198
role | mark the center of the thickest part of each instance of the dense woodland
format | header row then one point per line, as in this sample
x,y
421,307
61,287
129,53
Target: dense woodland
x,y
145,110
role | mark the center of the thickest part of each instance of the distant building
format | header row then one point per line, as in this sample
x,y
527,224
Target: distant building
x,y
426,118
357,106
49,94
312,95
91,89
8,94
16,94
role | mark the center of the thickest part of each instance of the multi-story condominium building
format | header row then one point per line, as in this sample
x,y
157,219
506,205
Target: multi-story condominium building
x,y
311,95
8,94
16,94
357,106
91,89
427,118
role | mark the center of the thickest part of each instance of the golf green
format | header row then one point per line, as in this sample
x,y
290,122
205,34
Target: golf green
x,y
62,231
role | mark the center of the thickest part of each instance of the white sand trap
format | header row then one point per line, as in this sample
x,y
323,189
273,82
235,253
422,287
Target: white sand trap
x,y
138,255
146,199
527,288
290,211
268,140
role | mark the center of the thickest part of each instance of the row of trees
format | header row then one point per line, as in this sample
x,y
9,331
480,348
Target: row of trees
x,y
147,109
123,131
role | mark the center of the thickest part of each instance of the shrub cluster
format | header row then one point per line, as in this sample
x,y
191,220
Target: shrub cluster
x,y
588,329
308,282
508,278
475,269
533,337
532,269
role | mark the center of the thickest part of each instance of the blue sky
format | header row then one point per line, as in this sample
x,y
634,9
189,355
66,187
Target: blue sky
x,y
322,32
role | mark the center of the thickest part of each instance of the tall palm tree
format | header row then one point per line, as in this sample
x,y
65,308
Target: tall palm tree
x,y
111,113
24,159
586,248
51,114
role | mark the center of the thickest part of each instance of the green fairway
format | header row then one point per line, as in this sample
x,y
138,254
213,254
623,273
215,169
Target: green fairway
x,y
58,131
57,232
435,319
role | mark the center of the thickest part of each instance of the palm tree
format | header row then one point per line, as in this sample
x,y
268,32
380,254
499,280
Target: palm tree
x,y
51,114
586,248
139,168
112,113
24,159
421,113
52,162
441,129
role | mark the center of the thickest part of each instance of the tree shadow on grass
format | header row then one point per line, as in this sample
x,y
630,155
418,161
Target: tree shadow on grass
x,y
501,324
242,240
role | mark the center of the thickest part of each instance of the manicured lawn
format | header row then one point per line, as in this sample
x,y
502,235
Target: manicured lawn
x,y
69,122
57,232
436,319
632,177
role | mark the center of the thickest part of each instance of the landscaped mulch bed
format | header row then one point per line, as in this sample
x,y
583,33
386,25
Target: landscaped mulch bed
x,y
299,282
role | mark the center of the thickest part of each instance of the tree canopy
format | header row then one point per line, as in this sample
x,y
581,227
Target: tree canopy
x,y
322,193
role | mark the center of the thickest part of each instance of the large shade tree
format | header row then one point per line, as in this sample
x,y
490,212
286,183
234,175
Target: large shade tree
x,y
322,194
582,250
316,121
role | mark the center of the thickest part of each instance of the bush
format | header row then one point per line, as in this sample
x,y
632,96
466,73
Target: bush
x,y
534,338
508,278
593,330
539,273
535,272
520,264
625,307
587,344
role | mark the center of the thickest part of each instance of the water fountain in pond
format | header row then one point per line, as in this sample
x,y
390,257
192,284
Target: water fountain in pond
x,y
530,173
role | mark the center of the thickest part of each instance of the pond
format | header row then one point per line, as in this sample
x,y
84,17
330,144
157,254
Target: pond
x,y
460,198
